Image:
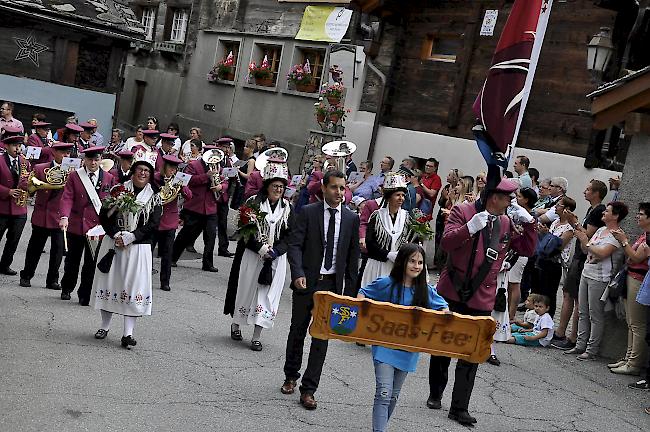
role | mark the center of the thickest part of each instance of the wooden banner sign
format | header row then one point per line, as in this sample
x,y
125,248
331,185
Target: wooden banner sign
x,y
407,328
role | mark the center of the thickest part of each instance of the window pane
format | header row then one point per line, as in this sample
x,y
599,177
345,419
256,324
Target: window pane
x,y
447,46
179,25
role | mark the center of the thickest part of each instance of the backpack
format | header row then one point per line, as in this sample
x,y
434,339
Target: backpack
x,y
548,246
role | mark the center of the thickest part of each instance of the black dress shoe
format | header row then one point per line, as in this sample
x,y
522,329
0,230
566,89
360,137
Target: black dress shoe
x,y
433,403
101,334
462,417
256,345
226,254
174,264
84,301
165,288
8,271
128,341
191,249
235,334
25,283
65,296
53,286
493,360
211,269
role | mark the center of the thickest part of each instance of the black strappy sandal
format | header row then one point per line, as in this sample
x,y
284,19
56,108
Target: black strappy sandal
x,y
256,345
101,334
128,341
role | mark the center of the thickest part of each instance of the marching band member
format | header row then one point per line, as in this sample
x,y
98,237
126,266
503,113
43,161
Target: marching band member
x,y
263,262
40,138
45,223
150,136
14,172
166,232
122,171
123,283
166,148
388,229
222,203
200,213
71,135
84,190
86,135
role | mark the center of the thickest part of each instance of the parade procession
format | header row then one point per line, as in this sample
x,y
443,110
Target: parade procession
x,y
327,216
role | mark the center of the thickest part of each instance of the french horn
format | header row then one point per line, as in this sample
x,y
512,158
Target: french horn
x,y
339,150
170,190
55,178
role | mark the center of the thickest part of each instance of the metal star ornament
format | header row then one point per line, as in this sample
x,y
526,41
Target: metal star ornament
x,y
28,48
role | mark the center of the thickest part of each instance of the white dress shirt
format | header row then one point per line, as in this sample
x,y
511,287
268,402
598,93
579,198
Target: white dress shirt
x,y
337,230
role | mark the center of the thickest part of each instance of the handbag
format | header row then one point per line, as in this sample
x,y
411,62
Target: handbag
x,y
501,302
618,285
266,274
104,264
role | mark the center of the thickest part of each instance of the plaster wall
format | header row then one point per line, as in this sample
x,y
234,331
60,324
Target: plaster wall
x,y
84,103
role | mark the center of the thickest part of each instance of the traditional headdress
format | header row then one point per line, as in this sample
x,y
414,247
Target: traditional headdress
x,y
394,181
147,158
276,169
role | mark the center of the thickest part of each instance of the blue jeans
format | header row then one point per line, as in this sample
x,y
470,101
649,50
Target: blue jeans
x,y
389,383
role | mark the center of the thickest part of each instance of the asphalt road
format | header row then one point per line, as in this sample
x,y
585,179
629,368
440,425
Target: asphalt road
x,y
186,374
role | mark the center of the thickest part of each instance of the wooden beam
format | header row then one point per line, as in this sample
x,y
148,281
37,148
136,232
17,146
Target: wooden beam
x,y
621,93
636,123
613,114
465,61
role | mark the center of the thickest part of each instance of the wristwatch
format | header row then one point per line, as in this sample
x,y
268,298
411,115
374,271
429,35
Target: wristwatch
x,y
624,244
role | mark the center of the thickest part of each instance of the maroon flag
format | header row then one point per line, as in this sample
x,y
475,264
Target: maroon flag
x,y
501,103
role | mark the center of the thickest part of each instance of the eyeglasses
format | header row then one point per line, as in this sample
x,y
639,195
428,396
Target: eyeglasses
x,y
555,185
277,187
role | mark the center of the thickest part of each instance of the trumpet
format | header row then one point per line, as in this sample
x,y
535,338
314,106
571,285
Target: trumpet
x,y
212,158
55,178
21,199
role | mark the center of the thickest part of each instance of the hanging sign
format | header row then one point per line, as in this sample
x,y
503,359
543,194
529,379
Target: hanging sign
x,y
489,22
324,23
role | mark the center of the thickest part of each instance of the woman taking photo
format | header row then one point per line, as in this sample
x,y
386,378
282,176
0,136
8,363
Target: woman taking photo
x,y
635,313
406,285
260,263
604,258
388,229
453,177
123,285
244,172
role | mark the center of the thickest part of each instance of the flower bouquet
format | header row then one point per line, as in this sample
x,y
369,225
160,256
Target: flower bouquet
x,y
301,77
121,200
420,224
250,217
262,74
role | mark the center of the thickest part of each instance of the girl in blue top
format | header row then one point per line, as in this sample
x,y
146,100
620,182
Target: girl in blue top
x,y
406,285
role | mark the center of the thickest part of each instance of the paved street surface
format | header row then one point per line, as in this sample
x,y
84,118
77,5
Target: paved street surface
x,y
186,374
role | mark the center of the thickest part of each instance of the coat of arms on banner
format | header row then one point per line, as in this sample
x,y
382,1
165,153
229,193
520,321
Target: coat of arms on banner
x,y
343,318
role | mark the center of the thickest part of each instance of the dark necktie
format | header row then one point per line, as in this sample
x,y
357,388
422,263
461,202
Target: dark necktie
x,y
92,177
14,166
329,248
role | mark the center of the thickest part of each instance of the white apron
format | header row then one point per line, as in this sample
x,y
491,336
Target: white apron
x,y
126,288
257,304
376,269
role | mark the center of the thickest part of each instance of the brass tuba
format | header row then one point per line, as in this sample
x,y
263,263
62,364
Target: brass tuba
x,y
212,158
169,191
339,150
55,178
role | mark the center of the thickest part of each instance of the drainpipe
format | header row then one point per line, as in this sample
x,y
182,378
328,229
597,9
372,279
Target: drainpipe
x,y
380,105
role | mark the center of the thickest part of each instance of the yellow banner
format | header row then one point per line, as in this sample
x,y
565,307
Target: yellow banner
x,y
324,23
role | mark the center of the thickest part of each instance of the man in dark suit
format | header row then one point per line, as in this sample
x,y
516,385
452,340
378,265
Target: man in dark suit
x,y
324,256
